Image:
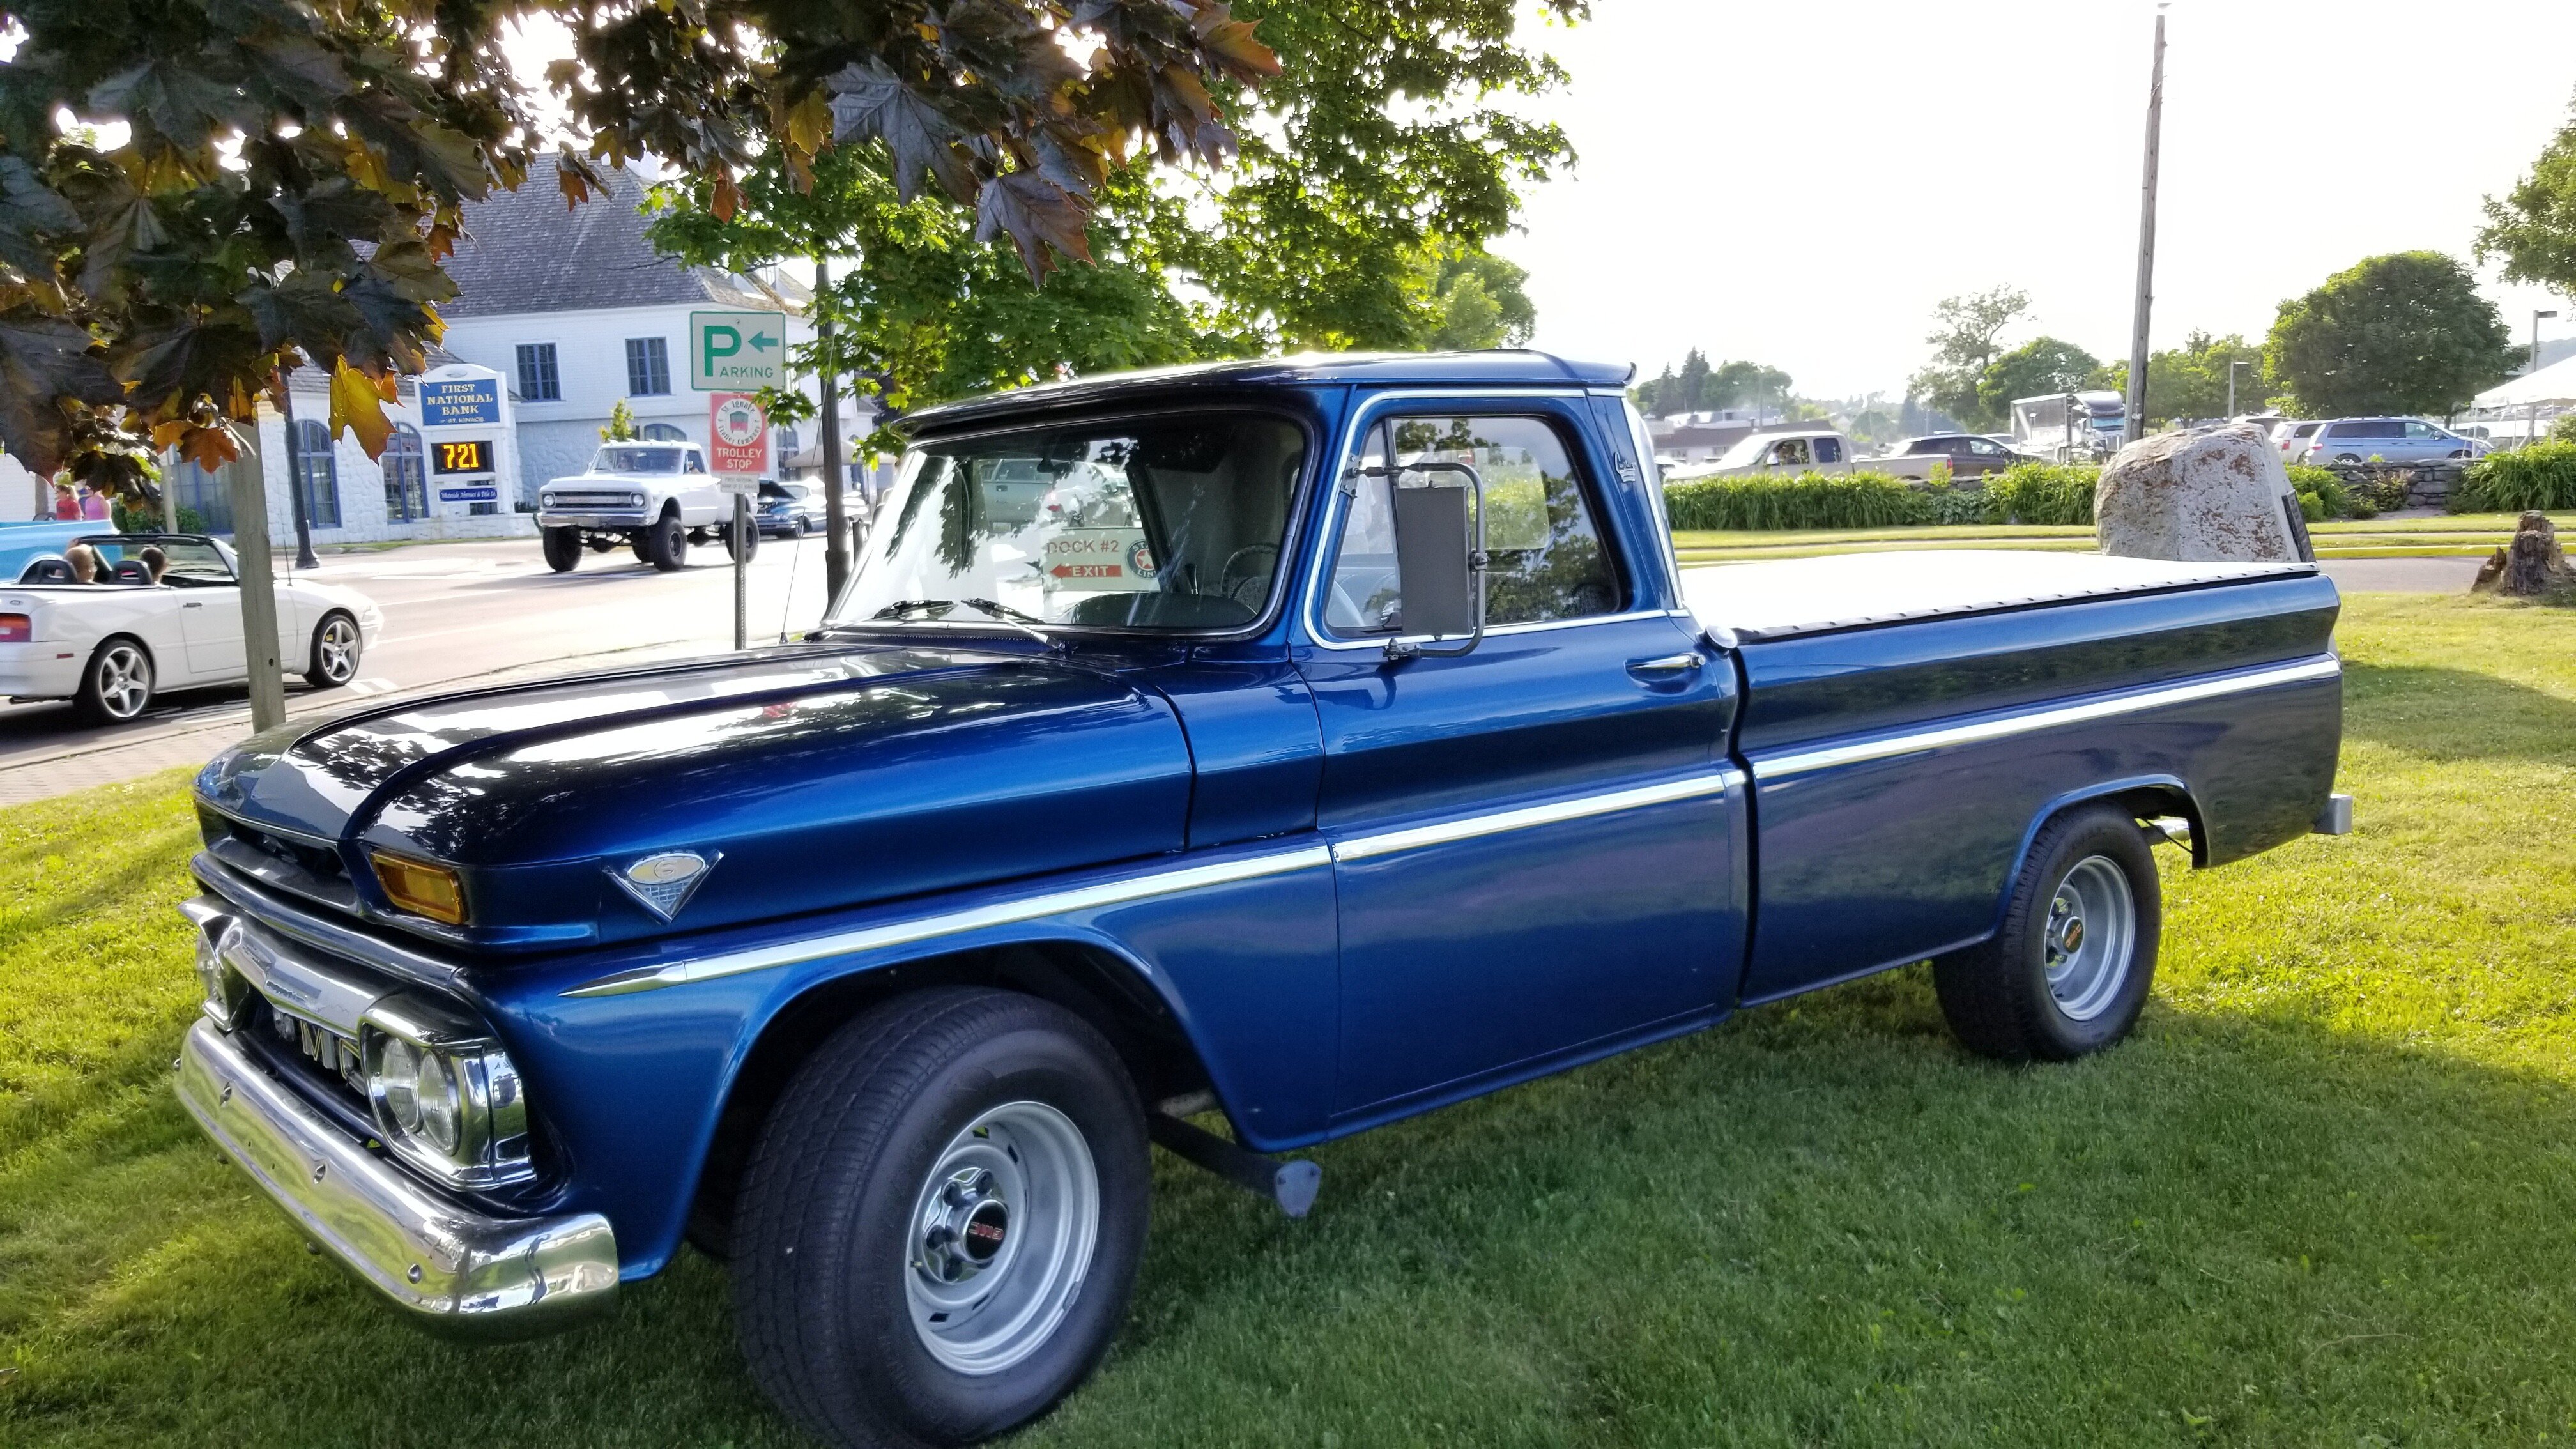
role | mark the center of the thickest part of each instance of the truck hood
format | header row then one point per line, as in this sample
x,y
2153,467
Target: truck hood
x,y
807,778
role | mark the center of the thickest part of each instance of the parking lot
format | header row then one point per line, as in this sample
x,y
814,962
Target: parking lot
x,y
454,613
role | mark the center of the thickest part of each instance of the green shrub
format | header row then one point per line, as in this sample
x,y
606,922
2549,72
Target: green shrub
x,y
1950,505
1809,500
2360,498
2563,430
2312,508
2060,493
2541,476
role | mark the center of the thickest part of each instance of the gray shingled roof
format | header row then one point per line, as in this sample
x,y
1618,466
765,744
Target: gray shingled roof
x,y
524,252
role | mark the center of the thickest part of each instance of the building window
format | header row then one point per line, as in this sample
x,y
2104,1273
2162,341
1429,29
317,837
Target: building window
x,y
315,472
648,367
538,380
406,478
661,433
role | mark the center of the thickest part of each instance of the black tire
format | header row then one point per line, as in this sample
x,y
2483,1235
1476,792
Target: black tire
x,y
116,684
641,542
804,525
332,658
826,1260
1998,995
666,545
2348,459
563,548
751,540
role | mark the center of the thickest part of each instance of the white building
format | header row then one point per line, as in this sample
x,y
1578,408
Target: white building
x,y
577,313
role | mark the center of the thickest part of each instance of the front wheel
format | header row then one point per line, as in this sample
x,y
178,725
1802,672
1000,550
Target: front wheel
x,y
333,660
2069,971
117,684
941,1221
750,541
666,545
562,547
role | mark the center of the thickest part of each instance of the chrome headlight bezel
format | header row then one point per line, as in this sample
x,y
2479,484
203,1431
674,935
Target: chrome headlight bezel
x,y
491,1146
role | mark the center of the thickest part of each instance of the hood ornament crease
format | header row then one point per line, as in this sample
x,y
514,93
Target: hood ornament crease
x,y
663,882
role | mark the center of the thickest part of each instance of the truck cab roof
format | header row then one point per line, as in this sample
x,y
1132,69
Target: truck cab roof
x,y
1498,367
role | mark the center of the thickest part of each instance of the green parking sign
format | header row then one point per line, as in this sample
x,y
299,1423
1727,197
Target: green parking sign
x,y
737,351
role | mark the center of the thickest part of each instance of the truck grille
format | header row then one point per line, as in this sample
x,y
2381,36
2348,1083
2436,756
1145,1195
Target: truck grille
x,y
576,498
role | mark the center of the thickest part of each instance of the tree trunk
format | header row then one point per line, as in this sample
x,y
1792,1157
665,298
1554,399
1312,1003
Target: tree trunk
x,y
2530,566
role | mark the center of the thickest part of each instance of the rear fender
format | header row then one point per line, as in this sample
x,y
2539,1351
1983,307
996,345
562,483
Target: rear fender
x,y
2146,796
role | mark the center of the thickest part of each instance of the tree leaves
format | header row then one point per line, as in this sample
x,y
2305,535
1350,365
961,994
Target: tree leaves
x,y
870,104
30,212
358,404
46,362
1036,214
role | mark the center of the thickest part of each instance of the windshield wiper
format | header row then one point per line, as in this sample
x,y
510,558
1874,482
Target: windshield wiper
x,y
908,607
1013,617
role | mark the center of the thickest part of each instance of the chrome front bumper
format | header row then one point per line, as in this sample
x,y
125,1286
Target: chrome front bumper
x,y
451,1267
592,518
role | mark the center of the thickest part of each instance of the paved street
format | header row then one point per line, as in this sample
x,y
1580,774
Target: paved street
x,y
2403,575
454,613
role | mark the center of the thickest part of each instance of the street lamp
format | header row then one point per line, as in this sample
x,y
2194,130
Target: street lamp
x,y
2534,435
2231,384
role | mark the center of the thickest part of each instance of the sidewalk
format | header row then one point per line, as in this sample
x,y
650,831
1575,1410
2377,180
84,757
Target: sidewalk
x,y
193,741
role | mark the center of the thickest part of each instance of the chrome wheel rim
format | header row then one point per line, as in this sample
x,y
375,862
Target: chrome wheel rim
x,y
2091,936
338,648
124,681
1000,1237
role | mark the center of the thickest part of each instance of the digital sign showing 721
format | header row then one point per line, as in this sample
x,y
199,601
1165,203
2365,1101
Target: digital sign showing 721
x,y
472,456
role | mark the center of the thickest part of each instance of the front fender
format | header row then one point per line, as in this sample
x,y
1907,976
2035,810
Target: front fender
x,y
633,1080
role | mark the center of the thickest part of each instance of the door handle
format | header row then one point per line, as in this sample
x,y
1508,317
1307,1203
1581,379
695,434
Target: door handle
x,y
1669,664
192,605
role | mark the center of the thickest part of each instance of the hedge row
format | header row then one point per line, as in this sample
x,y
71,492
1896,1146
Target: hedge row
x,y
2541,476
2041,493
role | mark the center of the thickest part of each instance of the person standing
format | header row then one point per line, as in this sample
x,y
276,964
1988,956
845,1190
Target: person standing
x,y
66,504
93,504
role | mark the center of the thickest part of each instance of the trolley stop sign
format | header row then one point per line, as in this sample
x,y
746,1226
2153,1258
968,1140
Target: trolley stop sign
x,y
739,432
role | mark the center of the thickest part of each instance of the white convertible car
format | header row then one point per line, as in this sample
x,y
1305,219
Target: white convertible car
x,y
109,646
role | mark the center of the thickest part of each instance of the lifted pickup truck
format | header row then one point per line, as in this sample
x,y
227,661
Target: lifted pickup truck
x,y
657,498
1372,754
1788,452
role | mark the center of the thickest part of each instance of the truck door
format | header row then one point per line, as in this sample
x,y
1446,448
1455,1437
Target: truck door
x,y
1534,850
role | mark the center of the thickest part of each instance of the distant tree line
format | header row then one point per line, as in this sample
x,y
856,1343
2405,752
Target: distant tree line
x,y
1698,387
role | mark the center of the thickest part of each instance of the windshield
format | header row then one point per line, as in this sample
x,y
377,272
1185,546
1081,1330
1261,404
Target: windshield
x,y
1168,524
1746,450
622,459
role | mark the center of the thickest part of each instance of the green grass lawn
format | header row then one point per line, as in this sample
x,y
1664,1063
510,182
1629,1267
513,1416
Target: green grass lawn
x,y
2327,1195
2448,535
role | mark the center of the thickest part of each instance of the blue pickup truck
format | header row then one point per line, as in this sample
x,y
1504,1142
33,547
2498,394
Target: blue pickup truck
x,y
1313,742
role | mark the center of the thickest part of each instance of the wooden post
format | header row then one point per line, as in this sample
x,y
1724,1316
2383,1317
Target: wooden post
x,y
249,490
836,520
2136,426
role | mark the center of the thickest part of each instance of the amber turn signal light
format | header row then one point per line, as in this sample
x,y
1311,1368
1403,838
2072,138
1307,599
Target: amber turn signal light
x,y
421,888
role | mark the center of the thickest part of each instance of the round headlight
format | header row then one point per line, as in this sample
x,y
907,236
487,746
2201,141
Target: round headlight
x,y
634,500
397,1070
546,499
442,1112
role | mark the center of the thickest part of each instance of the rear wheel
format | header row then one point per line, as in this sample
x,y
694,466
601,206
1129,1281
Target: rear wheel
x,y
940,1224
563,548
666,545
117,684
2347,457
2069,971
333,659
750,540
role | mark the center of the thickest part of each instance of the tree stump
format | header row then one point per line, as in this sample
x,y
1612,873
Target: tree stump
x,y
2529,567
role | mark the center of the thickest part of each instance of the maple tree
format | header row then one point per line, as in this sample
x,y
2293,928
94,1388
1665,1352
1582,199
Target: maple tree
x,y
250,186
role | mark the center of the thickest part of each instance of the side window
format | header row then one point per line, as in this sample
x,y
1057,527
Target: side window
x,y
695,464
2422,432
1791,452
1829,450
1984,449
1546,557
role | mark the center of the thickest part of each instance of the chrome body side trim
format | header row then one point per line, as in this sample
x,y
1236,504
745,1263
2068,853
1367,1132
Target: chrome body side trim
x,y
2033,721
297,984
1362,847
449,1266
953,922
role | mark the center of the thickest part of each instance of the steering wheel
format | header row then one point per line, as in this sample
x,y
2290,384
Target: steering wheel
x,y
1232,586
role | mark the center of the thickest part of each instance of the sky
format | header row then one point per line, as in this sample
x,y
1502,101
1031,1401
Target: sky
x,y
1798,185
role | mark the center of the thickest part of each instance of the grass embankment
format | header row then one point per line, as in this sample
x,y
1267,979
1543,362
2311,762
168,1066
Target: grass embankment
x,y
2323,1197
2460,535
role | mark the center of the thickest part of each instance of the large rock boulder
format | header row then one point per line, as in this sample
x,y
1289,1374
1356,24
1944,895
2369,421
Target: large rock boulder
x,y
2216,495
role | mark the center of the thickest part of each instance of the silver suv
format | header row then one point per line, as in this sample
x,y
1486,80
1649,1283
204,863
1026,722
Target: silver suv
x,y
2391,440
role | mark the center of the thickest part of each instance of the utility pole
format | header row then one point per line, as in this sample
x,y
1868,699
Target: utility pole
x,y
2534,435
304,558
836,518
2136,426
2233,364
249,490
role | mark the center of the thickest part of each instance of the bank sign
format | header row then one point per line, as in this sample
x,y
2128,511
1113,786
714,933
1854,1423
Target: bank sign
x,y
737,351
465,402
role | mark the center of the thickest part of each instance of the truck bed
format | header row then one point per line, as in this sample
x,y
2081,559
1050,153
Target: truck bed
x,y
1784,598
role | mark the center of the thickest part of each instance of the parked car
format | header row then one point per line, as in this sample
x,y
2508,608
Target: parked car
x,y
2292,438
111,647
791,510
2390,440
1791,451
1323,796
657,498
1969,455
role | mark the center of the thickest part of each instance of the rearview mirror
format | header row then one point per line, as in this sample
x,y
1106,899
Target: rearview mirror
x,y
1442,568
